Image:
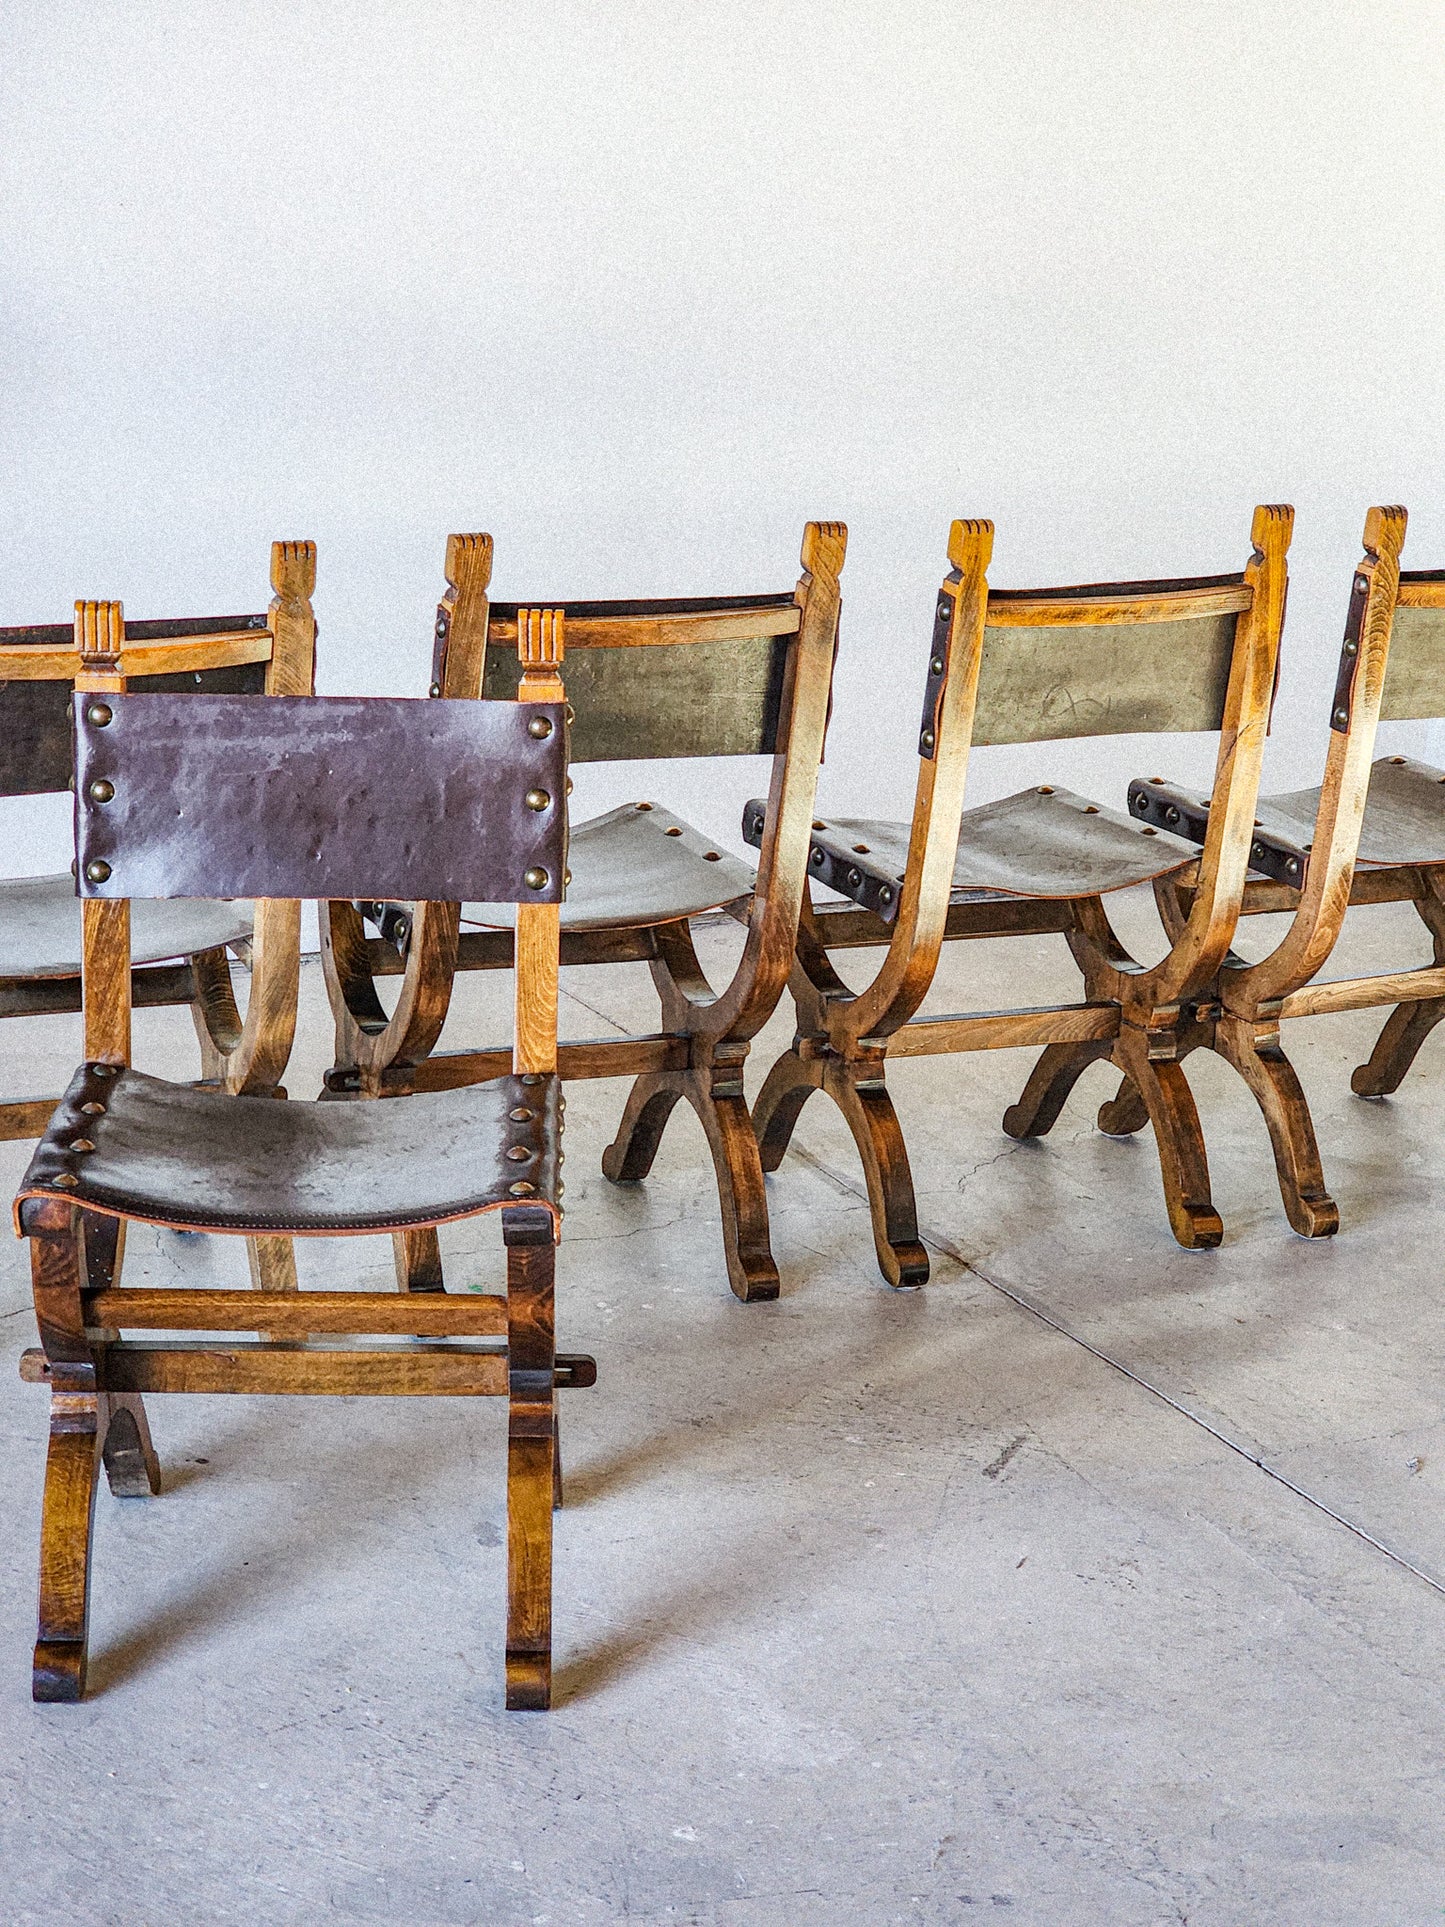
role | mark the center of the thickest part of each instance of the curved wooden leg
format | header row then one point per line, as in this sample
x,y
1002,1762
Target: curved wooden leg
x,y
1406,1029
1183,1164
67,1518
786,1089
628,1158
131,1464
1059,1068
1261,1062
1124,1113
866,1104
531,1474
741,1191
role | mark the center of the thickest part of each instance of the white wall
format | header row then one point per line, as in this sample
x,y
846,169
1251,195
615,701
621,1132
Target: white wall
x,y
639,287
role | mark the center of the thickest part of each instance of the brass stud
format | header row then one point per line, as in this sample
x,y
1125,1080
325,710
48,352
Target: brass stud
x,y
1292,866
818,859
636,806
97,870
927,739
435,689
1352,648
81,1144
885,895
855,877
1342,716
532,1077
540,727
92,1109
672,830
712,856
566,879
521,1115
936,666
945,609
104,1070
569,785
537,799
536,878
521,1189
101,790
518,1153
99,714
65,1181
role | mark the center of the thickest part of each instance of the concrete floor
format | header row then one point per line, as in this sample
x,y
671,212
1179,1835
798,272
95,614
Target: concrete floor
x,y
1099,1584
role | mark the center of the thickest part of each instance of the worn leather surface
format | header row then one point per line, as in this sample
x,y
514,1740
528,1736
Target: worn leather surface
x,y
1404,815
1107,679
36,754
320,796
1042,842
172,1155
666,699
40,927
629,870
1415,671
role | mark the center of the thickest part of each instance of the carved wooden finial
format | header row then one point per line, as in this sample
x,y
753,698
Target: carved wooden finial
x,y
100,636
1385,532
825,544
970,544
469,564
1272,528
293,570
541,645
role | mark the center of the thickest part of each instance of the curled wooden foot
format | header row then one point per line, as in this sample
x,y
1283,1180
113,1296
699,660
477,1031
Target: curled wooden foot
x,y
1124,1113
58,1676
628,1158
1059,1068
66,1520
1183,1163
868,1108
1271,1077
786,1089
742,1195
130,1459
529,1682
1406,1029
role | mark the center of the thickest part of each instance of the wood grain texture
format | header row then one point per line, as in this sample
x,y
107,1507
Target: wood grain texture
x,y
157,1308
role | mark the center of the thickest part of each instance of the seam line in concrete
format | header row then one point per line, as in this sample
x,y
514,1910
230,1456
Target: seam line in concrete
x,y
948,1249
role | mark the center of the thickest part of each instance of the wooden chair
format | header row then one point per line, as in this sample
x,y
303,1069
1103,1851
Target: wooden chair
x,y
1370,833
315,795
717,676
180,949
1019,666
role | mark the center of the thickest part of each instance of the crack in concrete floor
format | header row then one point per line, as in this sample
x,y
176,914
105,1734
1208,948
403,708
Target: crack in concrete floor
x,y
938,1241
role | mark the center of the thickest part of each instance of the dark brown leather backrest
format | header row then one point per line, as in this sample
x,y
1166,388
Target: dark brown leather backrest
x,y
1415,670
1107,659
36,752
320,796
701,676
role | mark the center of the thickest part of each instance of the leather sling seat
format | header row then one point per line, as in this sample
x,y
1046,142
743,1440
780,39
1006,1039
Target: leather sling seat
x,y
135,1146
1042,842
636,866
40,927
